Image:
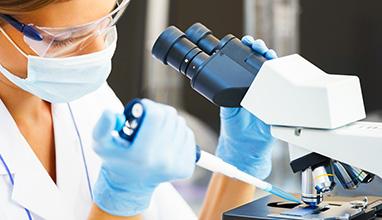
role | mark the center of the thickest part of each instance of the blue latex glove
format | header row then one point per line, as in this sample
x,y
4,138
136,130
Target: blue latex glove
x,y
245,141
259,46
163,150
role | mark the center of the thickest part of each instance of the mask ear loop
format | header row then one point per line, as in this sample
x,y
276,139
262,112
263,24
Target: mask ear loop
x,y
13,43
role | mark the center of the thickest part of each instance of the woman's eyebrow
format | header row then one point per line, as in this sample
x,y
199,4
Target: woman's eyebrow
x,y
60,1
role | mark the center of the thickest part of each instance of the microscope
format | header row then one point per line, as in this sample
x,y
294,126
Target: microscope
x,y
318,114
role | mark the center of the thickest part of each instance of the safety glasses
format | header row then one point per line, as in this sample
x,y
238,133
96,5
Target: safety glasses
x,y
64,42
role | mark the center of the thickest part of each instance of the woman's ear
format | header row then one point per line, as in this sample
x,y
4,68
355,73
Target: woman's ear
x,y
10,57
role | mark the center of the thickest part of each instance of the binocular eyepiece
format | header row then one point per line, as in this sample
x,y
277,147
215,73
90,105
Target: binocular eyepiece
x,y
220,70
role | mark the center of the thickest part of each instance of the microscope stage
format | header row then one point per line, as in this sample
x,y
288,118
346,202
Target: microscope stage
x,y
270,207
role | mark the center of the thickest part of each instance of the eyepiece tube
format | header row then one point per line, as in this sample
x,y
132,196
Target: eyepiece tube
x,y
165,42
203,38
174,49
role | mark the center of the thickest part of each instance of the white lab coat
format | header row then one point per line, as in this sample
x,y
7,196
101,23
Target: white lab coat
x,y
70,198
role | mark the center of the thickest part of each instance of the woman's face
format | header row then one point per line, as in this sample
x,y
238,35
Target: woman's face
x,y
67,13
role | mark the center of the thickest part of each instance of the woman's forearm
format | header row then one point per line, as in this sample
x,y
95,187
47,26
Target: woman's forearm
x,y
224,193
98,214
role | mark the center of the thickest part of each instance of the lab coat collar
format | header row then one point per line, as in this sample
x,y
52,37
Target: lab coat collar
x,y
70,167
33,187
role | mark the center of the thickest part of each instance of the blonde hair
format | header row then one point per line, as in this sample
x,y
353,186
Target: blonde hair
x,y
22,6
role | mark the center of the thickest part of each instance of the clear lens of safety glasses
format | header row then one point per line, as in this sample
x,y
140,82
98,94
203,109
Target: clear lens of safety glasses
x,y
64,42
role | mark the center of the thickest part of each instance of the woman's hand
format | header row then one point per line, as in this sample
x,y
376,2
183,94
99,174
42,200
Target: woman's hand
x,y
244,139
163,150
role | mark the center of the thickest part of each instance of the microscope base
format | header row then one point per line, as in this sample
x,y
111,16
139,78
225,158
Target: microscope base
x,y
270,207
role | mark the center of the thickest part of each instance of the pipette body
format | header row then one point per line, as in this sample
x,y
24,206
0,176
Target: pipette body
x,y
215,164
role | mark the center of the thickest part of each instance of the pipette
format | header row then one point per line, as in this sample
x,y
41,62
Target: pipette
x,y
134,113
215,164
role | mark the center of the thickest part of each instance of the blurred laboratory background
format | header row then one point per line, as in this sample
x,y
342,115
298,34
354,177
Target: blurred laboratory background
x,y
342,36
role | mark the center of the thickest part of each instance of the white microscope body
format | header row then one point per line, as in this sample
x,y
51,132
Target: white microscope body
x,y
318,115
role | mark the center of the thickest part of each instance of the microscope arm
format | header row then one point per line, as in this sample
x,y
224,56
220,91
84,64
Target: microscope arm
x,y
291,91
358,144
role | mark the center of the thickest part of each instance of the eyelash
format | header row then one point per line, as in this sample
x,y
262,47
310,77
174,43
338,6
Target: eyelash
x,y
62,43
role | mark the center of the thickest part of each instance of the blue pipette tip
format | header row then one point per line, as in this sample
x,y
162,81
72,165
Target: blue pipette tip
x,y
284,195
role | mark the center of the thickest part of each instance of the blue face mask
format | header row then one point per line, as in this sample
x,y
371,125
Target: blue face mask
x,y
61,80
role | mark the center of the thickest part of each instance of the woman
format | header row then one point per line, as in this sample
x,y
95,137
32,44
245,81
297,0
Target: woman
x,y
53,91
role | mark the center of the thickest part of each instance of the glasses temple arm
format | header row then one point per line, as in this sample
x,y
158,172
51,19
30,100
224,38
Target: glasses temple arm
x,y
27,30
